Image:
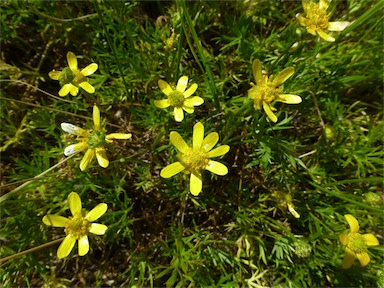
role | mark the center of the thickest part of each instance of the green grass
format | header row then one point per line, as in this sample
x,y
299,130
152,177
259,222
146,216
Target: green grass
x,y
324,155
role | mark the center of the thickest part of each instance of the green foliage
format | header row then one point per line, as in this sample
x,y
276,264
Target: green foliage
x,y
323,158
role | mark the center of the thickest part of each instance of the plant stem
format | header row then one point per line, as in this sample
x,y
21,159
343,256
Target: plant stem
x,y
2,260
17,189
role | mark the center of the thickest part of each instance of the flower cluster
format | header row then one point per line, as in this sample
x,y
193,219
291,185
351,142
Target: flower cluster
x,y
92,141
78,226
268,89
178,98
355,244
71,78
317,20
197,157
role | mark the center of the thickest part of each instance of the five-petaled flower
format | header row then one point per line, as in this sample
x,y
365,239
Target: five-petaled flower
x,y
355,244
78,226
71,78
268,89
91,140
193,159
317,18
179,98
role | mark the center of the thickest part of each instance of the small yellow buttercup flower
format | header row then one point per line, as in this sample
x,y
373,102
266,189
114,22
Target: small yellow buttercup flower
x,y
91,140
355,244
268,89
71,78
78,226
179,98
193,159
317,20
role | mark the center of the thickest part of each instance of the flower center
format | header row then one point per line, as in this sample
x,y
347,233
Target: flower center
x,y
96,139
317,18
194,159
176,98
77,226
267,92
66,76
79,78
356,243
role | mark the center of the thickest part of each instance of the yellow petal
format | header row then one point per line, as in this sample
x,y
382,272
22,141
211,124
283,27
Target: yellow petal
x,y
54,75
87,87
217,168
190,90
171,170
96,212
119,136
164,86
65,90
284,75
73,90
72,129
370,240
198,135
210,141
325,36
72,61
301,19
87,159
363,258
90,69
292,210
306,6
98,229
323,4
188,109
162,103
289,98
178,142
337,26
182,84
83,245
74,203
269,112
348,260
221,150
96,117
179,114
196,183
194,101
353,224
344,238
72,149
257,72
101,157
66,246
55,220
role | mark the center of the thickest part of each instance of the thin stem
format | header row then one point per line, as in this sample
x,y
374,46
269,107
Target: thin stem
x,y
17,189
38,89
114,53
55,110
199,48
2,260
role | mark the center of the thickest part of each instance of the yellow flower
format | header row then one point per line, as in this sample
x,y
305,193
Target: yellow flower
x,y
267,89
193,159
317,18
355,244
179,98
91,140
71,78
78,226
